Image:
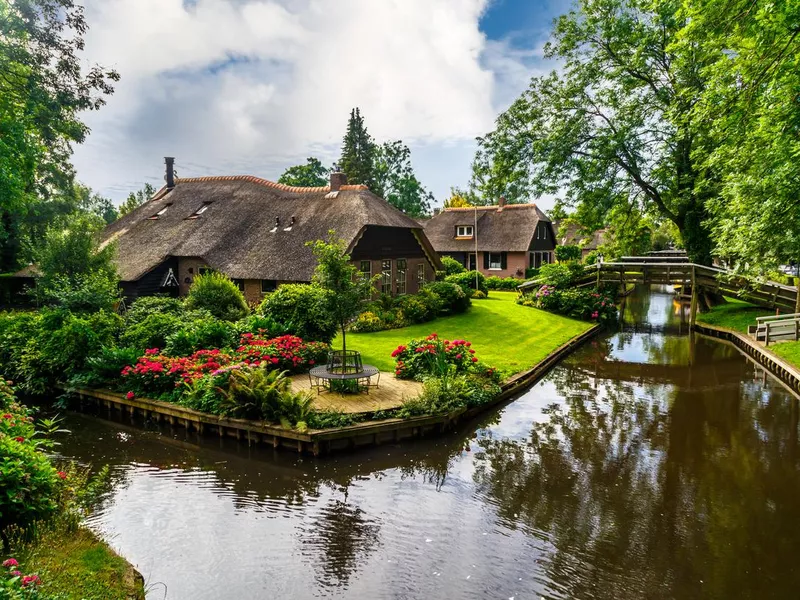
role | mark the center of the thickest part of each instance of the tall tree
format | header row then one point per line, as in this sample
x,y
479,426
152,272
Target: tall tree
x,y
43,90
617,126
395,176
136,199
311,174
358,153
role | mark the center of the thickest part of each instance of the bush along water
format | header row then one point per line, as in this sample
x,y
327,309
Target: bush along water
x,y
580,303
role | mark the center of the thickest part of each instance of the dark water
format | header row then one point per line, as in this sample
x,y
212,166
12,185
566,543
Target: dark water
x,y
646,465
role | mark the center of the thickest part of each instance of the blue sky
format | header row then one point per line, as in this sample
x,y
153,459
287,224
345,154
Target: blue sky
x,y
254,86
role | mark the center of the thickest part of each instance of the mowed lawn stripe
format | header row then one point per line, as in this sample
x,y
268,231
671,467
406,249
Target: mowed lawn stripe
x,y
504,334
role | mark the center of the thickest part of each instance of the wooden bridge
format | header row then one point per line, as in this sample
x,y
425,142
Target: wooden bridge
x,y
677,270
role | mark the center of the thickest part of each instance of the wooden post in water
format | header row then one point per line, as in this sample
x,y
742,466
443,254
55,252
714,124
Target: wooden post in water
x,y
693,305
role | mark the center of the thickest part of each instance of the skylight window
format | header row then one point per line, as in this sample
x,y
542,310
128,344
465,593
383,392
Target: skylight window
x,y
202,209
161,212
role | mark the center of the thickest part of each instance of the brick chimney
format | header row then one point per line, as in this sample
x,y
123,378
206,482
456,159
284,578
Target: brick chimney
x,y
338,179
501,201
170,175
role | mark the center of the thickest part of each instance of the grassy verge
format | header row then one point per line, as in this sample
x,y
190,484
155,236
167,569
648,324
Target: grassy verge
x,y
735,314
505,335
788,351
76,564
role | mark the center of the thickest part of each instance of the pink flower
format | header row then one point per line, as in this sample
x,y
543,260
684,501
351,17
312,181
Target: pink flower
x,y
11,562
458,356
594,315
62,475
130,395
30,579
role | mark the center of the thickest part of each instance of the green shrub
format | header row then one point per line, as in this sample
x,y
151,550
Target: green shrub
x,y
200,334
217,294
103,369
152,331
300,309
88,292
579,303
367,322
531,273
452,266
259,325
478,295
143,307
466,281
325,419
422,358
502,283
560,275
454,300
568,253
591,258
432,301
414,310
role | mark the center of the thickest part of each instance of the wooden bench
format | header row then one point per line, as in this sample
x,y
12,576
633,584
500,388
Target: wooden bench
x,y
777,328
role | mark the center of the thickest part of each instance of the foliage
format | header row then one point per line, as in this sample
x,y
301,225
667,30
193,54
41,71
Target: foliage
x,y
461,198
567,253
367,321
136,199
397,182
325,419
145,306
433,356
301,309
346,287
311,174
452,266
617,126
389,313
288,352
152,331
586,304
198,334
509,284
76,273
359,151
734,314
560,275
467,281
450,392
591,258
103,368
216,293
478,295
256,393
44,88
256,324
454,300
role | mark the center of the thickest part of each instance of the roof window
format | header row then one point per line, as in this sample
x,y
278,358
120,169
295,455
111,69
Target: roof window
x,y
277,224
464,231
201,210
161,212
290,225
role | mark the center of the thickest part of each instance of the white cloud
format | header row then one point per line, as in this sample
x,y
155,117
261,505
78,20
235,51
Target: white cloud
x,y
251,86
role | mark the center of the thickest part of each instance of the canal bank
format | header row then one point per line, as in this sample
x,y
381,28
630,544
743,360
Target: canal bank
x,y
647,463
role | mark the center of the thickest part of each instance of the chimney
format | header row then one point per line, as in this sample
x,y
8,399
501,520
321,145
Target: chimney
x,y
170,176
338,179
501,201
436,211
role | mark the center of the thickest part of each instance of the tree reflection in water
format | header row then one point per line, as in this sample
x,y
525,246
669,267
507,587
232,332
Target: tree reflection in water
x,y
656,491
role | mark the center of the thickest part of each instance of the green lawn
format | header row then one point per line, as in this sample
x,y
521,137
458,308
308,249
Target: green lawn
x,y
735,314
789,351
504,335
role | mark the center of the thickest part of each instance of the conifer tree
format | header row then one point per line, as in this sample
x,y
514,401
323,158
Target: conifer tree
x,y
358,154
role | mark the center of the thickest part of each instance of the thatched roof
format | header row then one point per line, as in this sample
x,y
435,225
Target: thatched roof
x,y
500,229
572,234
237,233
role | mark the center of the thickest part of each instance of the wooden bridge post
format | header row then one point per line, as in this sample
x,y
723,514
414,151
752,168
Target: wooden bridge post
x,y
693,305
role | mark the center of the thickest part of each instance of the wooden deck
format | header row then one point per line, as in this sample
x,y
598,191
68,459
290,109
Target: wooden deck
x,y
391,393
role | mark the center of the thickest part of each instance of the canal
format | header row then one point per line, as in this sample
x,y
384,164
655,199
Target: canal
x,y
648,464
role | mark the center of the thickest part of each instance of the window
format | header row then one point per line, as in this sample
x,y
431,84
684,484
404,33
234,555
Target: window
x,y
239,283
204,270
201,210
268,285
401,276
365,268
544,231
420,275
464,231
386,277
495,261
161,212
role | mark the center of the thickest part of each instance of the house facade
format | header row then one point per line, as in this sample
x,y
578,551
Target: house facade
x,y
503,240
255,231
572,234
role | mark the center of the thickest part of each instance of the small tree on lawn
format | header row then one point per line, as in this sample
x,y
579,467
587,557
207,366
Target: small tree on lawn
x,y
347,285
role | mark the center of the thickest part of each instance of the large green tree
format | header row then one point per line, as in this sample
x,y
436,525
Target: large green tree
x,y
43,89
311,174
395,176
616,126
358,153
136,199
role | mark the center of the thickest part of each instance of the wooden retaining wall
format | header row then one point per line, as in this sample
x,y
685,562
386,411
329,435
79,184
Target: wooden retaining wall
x,y
320,442
787,374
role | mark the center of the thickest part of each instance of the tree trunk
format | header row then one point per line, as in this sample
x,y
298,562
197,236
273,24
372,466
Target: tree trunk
x,y
797,300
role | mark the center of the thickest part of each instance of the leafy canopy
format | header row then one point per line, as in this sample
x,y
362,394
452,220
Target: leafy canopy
x,y
311,174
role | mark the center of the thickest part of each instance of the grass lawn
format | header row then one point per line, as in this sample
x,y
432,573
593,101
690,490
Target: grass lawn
x,y
505,335
735,314
78,565
788,351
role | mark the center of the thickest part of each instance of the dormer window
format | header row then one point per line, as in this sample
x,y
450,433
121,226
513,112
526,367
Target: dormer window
x,y
201,210
161,212
464,231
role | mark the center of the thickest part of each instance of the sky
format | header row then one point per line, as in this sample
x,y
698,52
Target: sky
x,y
254,86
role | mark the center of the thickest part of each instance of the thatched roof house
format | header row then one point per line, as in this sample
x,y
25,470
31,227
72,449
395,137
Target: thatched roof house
x,y
572,234
255,231
510,238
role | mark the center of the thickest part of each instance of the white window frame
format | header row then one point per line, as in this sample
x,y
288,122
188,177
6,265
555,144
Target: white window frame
x,y
386,276
401,276
465,231
420,275
499,262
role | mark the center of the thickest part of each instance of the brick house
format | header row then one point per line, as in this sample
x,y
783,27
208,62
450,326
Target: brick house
x,y
255,231
510,238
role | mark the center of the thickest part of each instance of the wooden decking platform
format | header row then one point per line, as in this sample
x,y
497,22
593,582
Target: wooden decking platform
x,y
390,393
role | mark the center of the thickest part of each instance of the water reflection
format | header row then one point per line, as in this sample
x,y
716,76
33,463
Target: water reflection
x,y
647,465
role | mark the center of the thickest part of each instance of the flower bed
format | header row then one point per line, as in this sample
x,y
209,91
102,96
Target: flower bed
x,y
586,304
433,355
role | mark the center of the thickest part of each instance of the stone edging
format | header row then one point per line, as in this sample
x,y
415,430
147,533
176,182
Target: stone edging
x,y
319,442
787,374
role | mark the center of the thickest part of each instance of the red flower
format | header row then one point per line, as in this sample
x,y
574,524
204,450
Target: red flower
x,y
8,416
11,562
458,356
62,475
19,439
130,395
474,359
30,579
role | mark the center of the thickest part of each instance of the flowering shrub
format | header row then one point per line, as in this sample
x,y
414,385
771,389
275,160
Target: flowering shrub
x,y
16,585
287,352
586,304
432,356
366,322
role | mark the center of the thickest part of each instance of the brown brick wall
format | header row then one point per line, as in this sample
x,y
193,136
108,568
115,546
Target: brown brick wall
x,y
188,268
412,286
